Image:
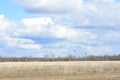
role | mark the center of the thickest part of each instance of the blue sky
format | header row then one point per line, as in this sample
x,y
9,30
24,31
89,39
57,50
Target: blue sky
x,y
58,27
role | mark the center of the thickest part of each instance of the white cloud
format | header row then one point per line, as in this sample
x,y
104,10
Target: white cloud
x,y
113,36
97,50
8,39
82,12
53,6
46,27
4,22
22,43
30,46
104,1
84,28
37,21
1,16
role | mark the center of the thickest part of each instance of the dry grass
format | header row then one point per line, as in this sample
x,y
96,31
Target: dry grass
x,y
81,69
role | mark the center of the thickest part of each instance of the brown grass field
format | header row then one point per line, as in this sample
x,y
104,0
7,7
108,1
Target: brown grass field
x,y
71,70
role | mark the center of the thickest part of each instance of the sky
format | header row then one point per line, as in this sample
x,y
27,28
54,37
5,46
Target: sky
x,y
59,27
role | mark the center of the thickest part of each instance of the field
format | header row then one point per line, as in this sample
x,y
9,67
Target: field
x,y
71,70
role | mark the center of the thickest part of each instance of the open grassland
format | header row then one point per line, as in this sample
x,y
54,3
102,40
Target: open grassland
x,y
71,70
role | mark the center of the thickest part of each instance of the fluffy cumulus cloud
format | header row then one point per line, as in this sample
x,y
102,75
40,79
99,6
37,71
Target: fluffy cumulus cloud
x,y
40,36
11,42
46,27
53,6
82,25
45,31
84,12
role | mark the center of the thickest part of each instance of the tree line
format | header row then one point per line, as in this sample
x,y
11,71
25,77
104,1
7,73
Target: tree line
x,y
68,58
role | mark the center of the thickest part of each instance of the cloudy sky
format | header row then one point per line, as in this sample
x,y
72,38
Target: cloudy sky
x,y
59,27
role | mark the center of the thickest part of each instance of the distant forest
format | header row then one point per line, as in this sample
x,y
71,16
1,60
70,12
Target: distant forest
x,y
68,58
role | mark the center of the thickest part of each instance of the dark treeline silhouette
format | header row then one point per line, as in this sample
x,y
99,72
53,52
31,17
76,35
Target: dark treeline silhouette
x,y
68,58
